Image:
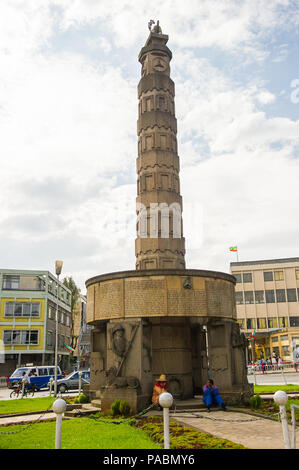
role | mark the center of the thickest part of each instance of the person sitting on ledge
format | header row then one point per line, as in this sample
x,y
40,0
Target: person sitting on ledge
x,y
211,395
160,387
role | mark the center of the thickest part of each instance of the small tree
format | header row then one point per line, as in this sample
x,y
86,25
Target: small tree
x,y
75,293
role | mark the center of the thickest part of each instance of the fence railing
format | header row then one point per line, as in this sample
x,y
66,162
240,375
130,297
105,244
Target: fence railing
x,y
286,366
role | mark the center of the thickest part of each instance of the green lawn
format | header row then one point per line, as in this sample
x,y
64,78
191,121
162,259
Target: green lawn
x,y
77,433
274,388
23,405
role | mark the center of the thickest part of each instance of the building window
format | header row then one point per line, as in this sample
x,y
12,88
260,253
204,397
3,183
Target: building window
x,y
18,309
283,322
274,339
20,337
67,321
280,295
261,323
247,277
11,282
249,297
239,298
294,321
268,276
270,297
272,322
8,309
241,322
250,323
297,273
50,338
291,295
238,277
259,297
285,350
35,309
22,309
275,349
284,338
278,275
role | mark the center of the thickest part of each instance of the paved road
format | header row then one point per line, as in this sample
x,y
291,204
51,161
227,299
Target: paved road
x,y
275,379
5,392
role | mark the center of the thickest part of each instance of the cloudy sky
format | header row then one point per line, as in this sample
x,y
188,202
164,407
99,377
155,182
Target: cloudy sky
x,y
68,143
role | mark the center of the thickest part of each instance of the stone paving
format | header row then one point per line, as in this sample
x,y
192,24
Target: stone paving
x,y
250,431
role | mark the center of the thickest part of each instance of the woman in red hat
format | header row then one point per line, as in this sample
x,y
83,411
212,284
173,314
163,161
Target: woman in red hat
x,y
160,387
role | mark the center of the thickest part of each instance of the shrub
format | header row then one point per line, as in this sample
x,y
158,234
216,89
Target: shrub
x,y
124,408
83,399
255,402
120,408
115,408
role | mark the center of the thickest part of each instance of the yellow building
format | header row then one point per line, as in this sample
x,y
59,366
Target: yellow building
x,y
28,302
267,298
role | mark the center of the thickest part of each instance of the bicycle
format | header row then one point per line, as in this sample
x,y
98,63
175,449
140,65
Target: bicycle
x,y
18,391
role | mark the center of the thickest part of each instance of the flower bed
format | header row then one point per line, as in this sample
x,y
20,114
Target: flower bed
x,y
183,437
271,409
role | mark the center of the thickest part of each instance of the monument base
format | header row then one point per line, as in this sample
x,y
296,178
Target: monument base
x,y
135,401
181,323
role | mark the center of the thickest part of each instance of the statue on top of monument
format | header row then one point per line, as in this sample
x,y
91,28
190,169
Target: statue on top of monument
x,y
156,29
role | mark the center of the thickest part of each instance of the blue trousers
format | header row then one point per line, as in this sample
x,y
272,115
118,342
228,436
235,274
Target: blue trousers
x,y
211,397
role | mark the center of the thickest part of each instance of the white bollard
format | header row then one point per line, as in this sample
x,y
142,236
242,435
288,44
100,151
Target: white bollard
x,y
80,382
59,407
281,399
51,385
166,400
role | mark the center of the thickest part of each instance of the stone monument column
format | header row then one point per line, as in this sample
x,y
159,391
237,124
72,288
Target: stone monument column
x,y
162,318
160,242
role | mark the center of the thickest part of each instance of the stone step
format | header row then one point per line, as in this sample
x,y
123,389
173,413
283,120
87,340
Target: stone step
x,y
86,410
188,404
96,403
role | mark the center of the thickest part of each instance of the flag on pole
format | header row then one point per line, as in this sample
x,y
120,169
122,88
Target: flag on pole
x,y
69,348
233,248
252,334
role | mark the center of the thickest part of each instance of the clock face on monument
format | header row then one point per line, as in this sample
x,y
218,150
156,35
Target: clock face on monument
x,y
159,64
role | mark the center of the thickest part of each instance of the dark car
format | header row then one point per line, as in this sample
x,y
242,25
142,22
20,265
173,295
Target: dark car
x,y
71,381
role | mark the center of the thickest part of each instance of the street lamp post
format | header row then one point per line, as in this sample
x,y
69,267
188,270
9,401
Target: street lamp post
x,y
58,269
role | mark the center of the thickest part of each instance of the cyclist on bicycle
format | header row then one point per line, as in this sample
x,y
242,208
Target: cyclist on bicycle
x,y
26,380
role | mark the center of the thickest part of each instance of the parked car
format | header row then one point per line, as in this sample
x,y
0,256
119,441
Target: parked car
x,y
71,381
39,375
